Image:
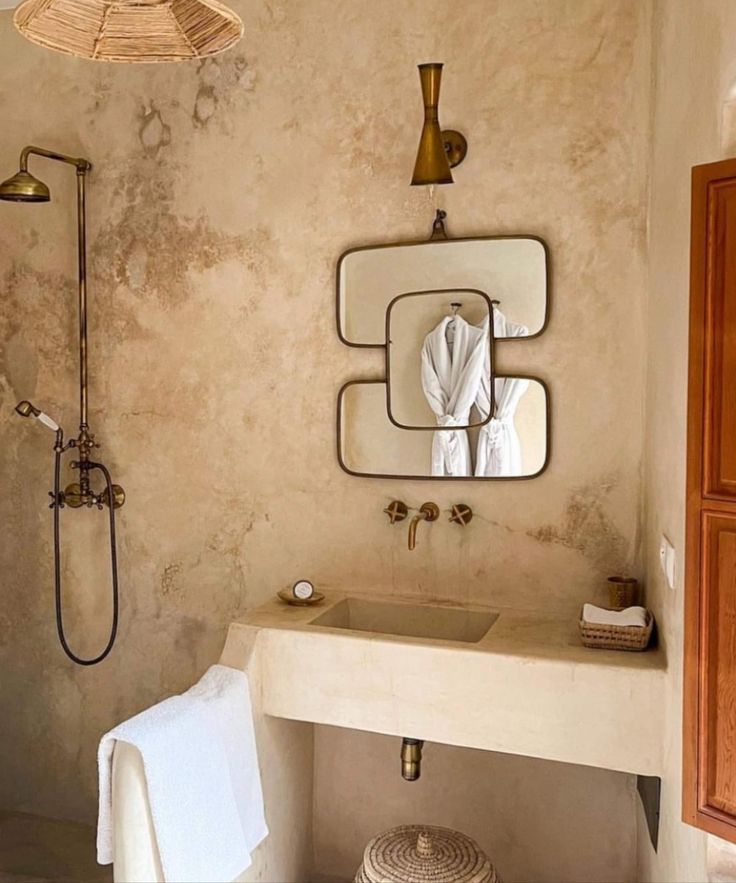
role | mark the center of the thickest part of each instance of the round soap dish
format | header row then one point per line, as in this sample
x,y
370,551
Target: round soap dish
x,y
287,596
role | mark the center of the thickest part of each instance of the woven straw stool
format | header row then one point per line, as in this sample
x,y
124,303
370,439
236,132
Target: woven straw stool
x,y
424,854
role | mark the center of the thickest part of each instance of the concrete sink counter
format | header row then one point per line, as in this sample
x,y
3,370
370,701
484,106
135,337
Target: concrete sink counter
x,y
498,679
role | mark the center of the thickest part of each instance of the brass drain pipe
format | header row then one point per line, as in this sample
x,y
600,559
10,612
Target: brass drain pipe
x,y
411,759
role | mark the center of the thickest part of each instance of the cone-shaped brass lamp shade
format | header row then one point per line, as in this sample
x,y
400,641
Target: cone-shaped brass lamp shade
x,y
23,187
432,166
130,30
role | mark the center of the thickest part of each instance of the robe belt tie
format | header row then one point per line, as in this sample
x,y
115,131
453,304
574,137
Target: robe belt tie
x,y
451,420
494,428
451,443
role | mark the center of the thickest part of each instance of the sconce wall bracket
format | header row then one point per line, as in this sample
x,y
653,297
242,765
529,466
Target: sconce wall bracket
x,y
456,146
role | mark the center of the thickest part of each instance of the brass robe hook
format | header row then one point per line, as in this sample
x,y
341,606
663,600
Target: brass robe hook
x,y
438,225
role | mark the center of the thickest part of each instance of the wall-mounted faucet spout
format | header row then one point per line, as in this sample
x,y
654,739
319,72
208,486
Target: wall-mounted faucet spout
x,y
427,512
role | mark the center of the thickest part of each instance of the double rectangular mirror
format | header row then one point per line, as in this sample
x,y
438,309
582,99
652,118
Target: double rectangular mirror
x,y
441,309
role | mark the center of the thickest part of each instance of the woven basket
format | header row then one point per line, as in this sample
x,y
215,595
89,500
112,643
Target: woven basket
x,y
616,637
424,854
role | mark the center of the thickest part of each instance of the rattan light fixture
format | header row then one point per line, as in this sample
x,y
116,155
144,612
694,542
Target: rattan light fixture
x,y
130,30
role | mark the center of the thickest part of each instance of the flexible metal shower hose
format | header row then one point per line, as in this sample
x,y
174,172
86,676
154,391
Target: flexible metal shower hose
x,y
57,565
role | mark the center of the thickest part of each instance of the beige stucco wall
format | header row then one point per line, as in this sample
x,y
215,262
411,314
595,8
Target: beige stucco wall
x,y
222,195
535,819
694,71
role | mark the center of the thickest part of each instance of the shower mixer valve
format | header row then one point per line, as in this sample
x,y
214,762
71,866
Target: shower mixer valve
x,y
78,494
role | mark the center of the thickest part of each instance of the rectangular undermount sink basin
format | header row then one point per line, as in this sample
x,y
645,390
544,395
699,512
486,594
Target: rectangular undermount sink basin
x,y
408,620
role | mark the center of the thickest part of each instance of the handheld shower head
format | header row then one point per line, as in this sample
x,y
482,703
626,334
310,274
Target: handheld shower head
x,y
27,409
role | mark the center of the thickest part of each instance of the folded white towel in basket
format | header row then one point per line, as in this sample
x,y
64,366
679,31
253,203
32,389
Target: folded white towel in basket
x,y
204,785
636,616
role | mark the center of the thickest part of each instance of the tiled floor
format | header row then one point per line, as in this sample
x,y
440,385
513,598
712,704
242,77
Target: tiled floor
x,y
47,851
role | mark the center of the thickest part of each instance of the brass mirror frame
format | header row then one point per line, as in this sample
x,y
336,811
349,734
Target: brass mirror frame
x,y
393,475
531,377
491,340
429,242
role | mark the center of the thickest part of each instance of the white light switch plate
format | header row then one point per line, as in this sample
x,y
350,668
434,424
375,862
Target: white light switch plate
x,y
668,560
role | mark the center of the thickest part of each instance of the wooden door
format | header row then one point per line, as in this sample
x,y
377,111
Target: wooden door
x,y
709,749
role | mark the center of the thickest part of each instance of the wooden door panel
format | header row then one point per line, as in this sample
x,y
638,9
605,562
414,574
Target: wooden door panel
x,y
709,708
718,665
720,398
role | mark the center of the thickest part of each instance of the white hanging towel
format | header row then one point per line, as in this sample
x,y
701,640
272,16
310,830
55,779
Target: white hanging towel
x,y
452,362
204,786
499,449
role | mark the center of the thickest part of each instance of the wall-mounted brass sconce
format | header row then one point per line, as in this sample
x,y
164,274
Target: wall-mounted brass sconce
x,y
439,151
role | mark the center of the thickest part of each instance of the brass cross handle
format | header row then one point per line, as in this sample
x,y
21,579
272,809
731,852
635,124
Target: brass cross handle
x,y
461,514
396,511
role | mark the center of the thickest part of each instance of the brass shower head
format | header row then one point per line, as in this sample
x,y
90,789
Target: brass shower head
x,y
23,187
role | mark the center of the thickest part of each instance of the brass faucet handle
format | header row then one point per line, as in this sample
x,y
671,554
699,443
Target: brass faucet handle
x,y
430,511
118,496
461,514
396,511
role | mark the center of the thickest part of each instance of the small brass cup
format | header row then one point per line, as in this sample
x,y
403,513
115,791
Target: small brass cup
x,y
622,591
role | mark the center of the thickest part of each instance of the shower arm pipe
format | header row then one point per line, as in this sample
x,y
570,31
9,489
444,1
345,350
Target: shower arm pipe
x,y
82,166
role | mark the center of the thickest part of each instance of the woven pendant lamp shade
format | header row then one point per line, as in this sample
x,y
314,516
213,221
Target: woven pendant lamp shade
x,y
130,30
424,854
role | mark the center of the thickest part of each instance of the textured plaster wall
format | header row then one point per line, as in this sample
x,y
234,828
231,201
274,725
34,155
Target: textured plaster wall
x,y
694,76
536,820
221,197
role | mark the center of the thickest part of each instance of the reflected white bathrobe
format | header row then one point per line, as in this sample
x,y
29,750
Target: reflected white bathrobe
x,y
453,356
499,449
